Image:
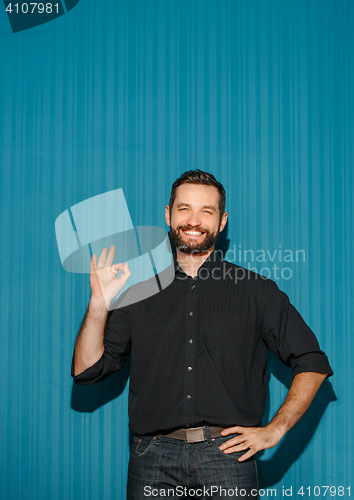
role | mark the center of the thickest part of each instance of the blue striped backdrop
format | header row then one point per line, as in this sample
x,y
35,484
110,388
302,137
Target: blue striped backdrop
x,y
129,94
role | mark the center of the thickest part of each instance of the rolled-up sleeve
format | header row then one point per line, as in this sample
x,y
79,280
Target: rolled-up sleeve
x,y
289,337
117,343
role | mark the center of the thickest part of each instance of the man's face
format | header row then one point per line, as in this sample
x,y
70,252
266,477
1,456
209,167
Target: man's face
x,y
195,218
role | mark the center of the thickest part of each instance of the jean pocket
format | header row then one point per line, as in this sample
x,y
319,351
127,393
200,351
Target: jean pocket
x,y
140,446
234,456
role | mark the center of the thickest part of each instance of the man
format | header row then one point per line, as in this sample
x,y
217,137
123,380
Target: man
x,y
198,357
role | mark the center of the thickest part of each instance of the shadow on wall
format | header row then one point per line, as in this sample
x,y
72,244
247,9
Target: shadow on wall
x,y
295,441
90,398
223,243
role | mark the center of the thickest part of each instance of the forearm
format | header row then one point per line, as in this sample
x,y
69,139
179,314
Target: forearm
x,y
301,393
89,345
253,439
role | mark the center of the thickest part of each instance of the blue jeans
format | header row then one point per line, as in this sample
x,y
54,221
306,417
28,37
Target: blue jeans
x,y
161,467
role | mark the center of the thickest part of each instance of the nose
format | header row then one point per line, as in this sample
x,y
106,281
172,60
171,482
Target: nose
x,y
194,219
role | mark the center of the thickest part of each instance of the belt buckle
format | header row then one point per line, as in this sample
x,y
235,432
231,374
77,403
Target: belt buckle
x,y
195,434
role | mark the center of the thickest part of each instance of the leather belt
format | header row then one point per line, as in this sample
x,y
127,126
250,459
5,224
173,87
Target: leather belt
x,y
194,434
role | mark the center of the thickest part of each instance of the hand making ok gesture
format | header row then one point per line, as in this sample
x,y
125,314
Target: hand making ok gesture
x,y
103,276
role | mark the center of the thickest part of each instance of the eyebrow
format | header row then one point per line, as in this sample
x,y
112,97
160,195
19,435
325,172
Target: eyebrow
x,y
210,207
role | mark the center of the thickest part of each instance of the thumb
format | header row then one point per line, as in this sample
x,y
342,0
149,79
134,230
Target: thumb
x,y
116,268
125,274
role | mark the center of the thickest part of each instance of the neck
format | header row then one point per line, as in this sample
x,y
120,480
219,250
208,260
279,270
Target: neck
x,y
190,263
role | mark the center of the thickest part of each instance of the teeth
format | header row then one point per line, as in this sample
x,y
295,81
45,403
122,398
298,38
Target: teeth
x,y
193,232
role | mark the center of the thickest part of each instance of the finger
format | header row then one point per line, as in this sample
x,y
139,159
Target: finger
x,y
126,269
232,442
125,274
93,263
102,259
116,268
234,449
238,447
94,281
247,455
233,430
110,256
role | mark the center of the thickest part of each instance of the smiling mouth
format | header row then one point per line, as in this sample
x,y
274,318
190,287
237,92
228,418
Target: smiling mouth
x,y
193,233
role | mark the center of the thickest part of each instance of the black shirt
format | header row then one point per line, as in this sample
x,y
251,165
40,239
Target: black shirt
x,y
199,348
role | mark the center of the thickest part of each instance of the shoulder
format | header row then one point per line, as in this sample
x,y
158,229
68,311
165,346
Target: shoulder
x,y
261,289
246,276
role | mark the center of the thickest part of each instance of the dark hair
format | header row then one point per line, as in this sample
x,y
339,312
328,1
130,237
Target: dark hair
x,y
199,177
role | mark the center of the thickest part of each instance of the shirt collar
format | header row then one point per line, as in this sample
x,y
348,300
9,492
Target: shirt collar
x,y
212,262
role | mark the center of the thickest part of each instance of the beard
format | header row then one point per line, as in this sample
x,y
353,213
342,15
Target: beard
x,y
191,246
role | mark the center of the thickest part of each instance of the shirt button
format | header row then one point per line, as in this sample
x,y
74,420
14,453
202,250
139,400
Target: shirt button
x,y
191,313
189,368
189,397
190,341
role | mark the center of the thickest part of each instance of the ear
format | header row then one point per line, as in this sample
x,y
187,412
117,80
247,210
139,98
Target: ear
x,y
223,221
167,215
